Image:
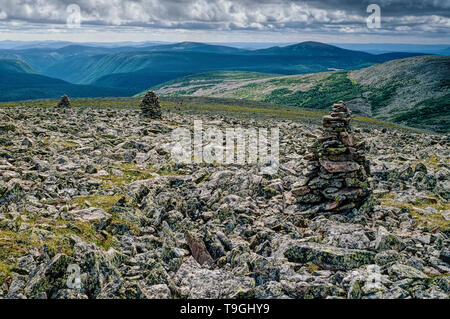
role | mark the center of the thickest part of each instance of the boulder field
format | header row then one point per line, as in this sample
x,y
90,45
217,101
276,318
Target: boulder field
x,y
92,205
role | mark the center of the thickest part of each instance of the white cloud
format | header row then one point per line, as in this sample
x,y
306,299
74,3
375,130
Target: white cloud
x,y
327,16
210,13
3,15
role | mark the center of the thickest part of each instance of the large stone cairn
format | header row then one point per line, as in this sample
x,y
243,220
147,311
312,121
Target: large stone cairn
x,y
337,171
150,106
64,102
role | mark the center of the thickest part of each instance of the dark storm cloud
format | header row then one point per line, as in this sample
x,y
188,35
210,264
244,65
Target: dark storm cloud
x,y
319,16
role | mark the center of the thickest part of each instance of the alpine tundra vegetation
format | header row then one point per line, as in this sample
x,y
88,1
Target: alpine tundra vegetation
x,y
412,91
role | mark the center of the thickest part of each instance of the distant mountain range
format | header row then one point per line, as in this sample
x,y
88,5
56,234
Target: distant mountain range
x,y
20,45
15,66
379,48
136,67
374,48
413,91
402,87
18,81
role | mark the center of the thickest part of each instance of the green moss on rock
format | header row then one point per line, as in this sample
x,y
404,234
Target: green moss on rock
x,y
328,257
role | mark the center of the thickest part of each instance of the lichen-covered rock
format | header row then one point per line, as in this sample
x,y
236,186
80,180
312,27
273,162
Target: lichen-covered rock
x,y
387,241
100,277
444,283
344,235
90,215
49,278
157,292
445,255
423,181
386,257
11,194
443,190
197,283
401,271
393,293
70,294
328,257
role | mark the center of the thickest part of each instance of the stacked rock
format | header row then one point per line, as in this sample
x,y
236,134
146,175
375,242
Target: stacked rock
x,y
64,102
337,171
150,106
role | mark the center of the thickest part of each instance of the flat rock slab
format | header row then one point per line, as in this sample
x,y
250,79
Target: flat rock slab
x,y
406,272
201,283
339,167
91,214
329,120
328,257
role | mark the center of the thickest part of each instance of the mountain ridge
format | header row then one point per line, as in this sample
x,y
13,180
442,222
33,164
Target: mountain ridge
x,y
11,65
122,68
18,81
404,91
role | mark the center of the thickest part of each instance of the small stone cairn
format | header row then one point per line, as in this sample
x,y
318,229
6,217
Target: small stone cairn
x,y
64,102
150,106
337,172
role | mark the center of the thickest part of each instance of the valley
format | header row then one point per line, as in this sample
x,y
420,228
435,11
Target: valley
x,y
406,88
413,91
139,68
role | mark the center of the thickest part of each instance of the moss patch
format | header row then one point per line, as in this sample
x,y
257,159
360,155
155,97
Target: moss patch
x,y
430,220
100,201
19,236
130,173
5,272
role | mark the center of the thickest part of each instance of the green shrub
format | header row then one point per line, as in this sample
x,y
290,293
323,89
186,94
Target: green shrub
x,y
431,113
334,88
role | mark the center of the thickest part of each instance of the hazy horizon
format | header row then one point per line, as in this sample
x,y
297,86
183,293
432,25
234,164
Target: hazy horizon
x,y
374,48
222,42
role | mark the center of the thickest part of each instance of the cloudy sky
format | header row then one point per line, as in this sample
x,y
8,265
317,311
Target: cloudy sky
x,y
402,21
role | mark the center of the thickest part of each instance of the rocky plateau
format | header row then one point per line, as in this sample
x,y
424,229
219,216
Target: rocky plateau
x,y
97,187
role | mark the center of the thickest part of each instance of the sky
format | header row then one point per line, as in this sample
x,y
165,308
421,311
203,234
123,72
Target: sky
x,y
336,21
